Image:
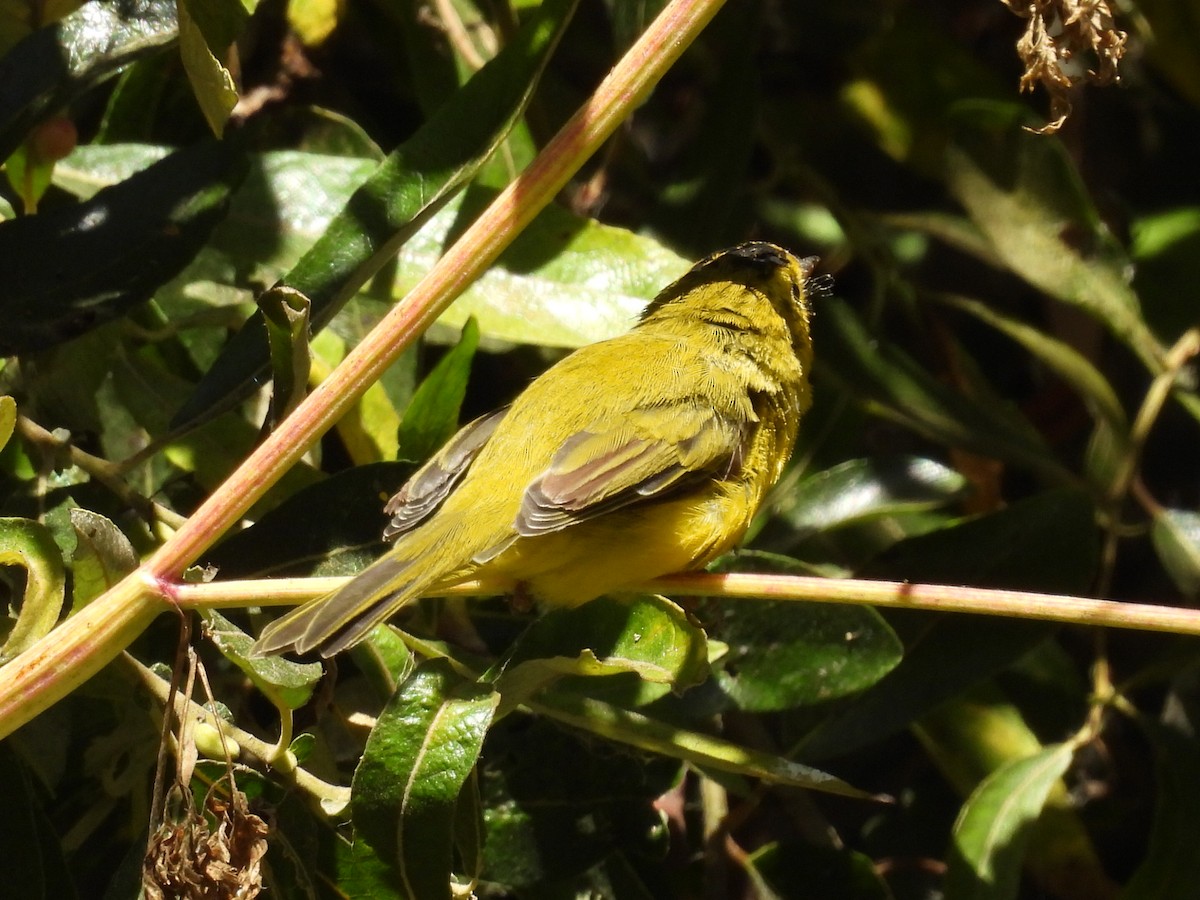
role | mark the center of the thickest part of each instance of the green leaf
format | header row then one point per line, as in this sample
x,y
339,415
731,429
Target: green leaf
x,y
369,430
1176,536
360,873
430,60
704,750
29,175
861,489
992,829
1064,360
565,281
646,636
978,732
30,545
211,81
314,20
402,193
432,415
136,102
91,168
52,66
975,733
145,388
8,419
784,655
288,685
103,556
1164,247
951,655
87,264
422,749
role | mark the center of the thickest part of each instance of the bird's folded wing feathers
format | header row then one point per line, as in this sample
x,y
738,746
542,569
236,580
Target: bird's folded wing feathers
x,y
650,454
429,486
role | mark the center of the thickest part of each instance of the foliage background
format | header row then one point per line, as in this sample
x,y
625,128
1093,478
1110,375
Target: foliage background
x,y
997,405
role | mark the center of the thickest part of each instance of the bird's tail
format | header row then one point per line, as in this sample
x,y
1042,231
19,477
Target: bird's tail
x,y
339,620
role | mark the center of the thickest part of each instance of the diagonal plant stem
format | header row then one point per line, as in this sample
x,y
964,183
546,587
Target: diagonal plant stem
x,y
78,648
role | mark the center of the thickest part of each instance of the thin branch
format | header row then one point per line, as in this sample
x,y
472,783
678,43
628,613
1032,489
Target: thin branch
x,y
1185,349
746,586
107,473
330,795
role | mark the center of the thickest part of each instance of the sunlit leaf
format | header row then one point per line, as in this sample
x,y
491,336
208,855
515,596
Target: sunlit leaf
x,y
859,489
55,64
211,81
8,418
286,684
103,556
645,636
30,546
423,747
992,830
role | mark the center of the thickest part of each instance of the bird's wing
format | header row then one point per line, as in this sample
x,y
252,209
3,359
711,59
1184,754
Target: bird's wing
x,y
429,486
650,453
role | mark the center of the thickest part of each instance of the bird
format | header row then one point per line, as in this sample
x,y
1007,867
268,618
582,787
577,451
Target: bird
x,y
638,456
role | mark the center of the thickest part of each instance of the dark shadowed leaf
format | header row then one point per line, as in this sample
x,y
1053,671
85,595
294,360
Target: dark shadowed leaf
x,y
333,527
784,655
1176,535
1169,867
87,264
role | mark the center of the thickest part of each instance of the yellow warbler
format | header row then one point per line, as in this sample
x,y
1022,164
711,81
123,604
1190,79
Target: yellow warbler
x,y
634,457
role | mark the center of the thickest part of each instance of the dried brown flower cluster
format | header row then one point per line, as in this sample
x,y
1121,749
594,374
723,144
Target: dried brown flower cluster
x,y
193,860
1067,43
